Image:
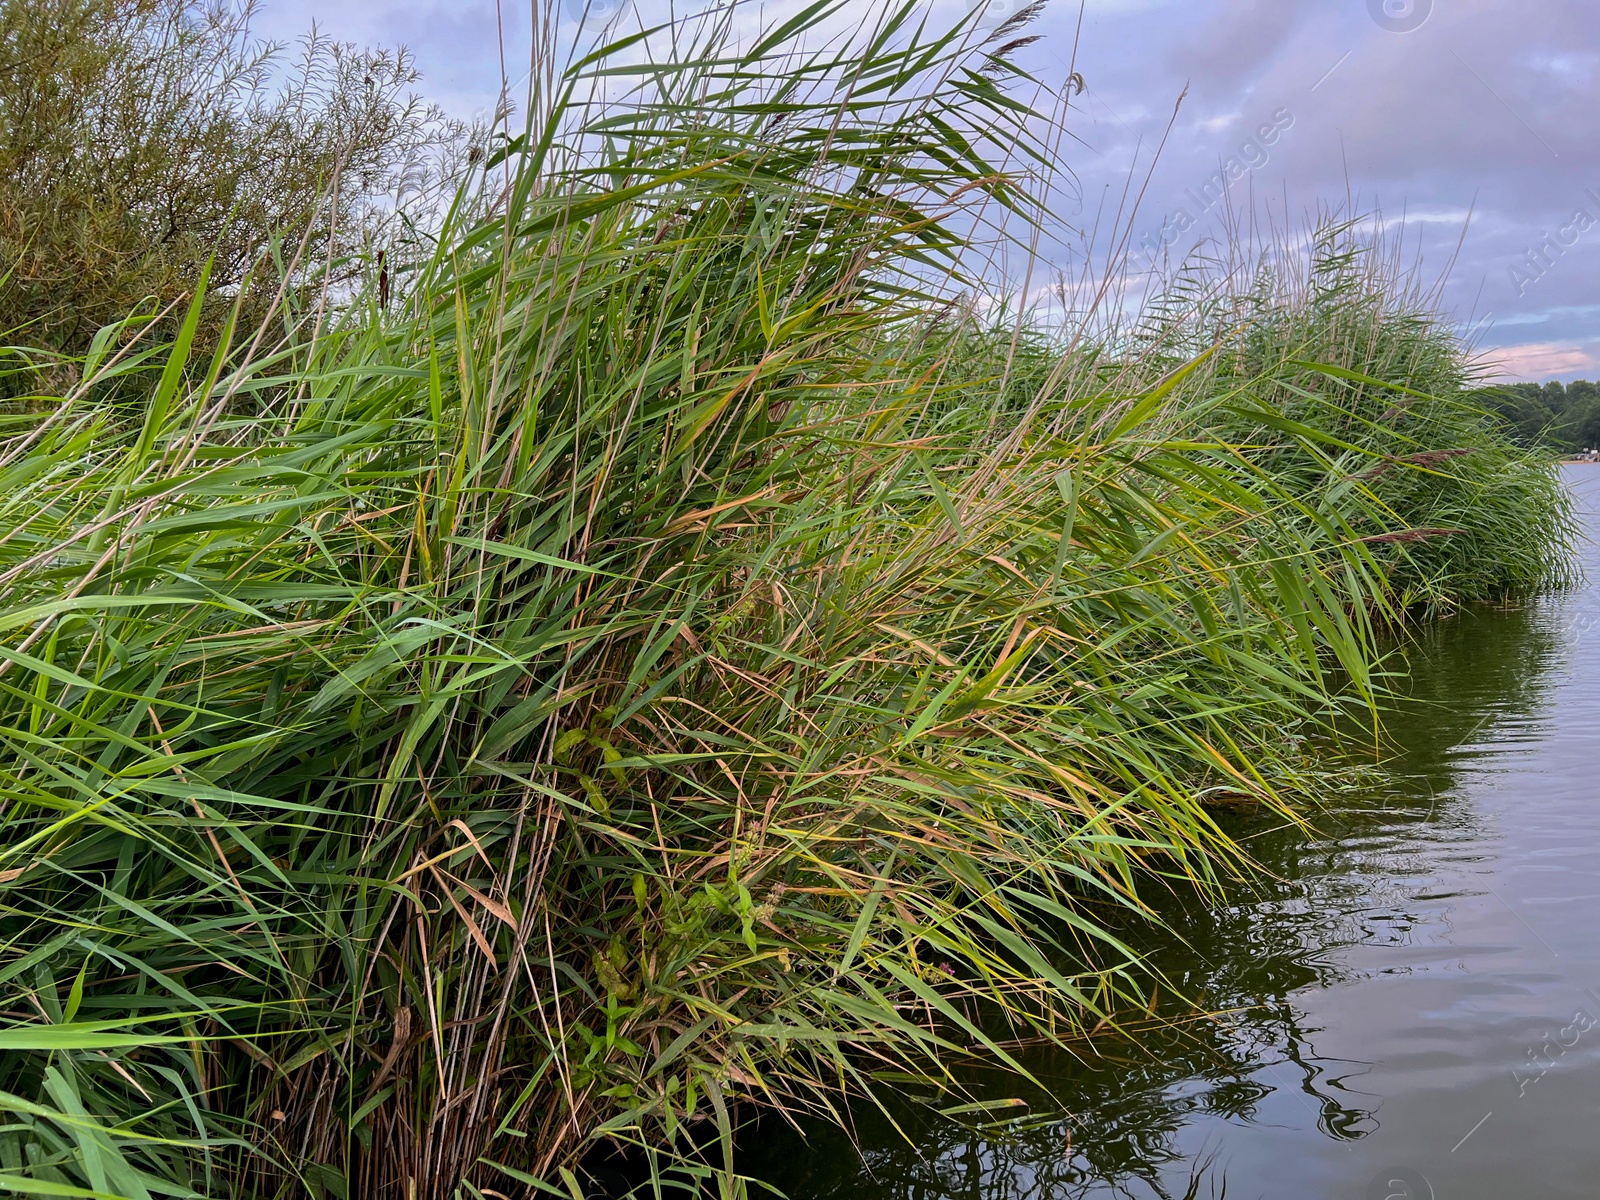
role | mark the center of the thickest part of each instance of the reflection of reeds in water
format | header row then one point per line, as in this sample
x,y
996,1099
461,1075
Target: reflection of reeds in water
x,y
1480,675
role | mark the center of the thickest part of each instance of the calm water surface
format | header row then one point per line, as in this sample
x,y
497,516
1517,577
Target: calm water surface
x,y
1414,1010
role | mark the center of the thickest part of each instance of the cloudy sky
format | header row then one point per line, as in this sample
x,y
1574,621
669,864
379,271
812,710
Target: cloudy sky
x,y
1476,121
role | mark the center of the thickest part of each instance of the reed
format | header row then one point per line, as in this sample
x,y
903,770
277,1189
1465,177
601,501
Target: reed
x,y
674,656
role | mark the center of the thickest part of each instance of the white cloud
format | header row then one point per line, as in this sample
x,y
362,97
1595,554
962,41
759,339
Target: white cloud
x,y
1493,106
1540,361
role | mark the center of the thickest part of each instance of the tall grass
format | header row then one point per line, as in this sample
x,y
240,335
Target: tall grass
x,y
1338,296
675,656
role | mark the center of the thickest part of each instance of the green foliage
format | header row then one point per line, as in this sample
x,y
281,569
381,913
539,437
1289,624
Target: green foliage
x,y
143,137
1559,416
1339,341
676,658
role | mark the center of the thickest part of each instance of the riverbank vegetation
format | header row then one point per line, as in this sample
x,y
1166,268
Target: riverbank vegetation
x,y
678,645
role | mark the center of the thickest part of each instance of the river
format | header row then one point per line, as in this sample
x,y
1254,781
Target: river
x,y
1410,1011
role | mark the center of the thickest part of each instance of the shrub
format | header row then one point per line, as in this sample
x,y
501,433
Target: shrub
x,y
142,137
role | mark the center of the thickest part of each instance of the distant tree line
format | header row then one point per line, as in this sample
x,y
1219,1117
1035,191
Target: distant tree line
x,y
1561,416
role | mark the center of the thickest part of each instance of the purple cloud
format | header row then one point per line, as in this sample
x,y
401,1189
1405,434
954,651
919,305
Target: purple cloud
x,y
1487,106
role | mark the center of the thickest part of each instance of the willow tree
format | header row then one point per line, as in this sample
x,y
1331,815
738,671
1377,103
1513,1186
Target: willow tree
x,y
138,138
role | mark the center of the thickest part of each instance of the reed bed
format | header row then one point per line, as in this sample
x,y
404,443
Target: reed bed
x,y
675,656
